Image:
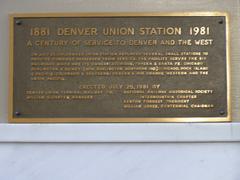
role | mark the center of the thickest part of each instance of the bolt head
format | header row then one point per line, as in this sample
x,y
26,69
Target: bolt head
x,y
222,112
18,22
17,113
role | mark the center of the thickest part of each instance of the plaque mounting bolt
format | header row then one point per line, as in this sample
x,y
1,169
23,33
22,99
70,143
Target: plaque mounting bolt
x,y
222,112
17,113
18,22
220,22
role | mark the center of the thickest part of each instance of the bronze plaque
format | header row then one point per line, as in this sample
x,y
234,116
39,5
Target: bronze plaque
x,y
119,67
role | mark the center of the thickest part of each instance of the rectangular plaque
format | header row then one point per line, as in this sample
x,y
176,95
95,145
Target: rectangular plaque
x,y
119,67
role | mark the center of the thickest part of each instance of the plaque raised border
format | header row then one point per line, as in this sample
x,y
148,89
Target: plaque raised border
x,y
12,119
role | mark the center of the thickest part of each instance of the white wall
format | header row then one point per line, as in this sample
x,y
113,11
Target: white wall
x,y
114,161
88,152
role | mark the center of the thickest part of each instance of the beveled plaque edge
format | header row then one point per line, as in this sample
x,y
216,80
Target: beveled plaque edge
x,y
12,119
